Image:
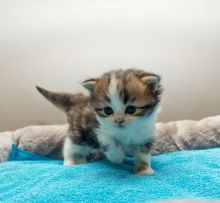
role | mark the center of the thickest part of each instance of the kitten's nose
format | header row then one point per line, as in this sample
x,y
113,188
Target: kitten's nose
x,y
119,119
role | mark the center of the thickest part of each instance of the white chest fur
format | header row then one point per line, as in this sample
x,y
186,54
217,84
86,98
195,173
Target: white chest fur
x,y
137,133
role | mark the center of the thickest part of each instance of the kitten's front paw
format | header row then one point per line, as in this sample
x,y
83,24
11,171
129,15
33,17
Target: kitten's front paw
x,y
115,156
145,172
68,162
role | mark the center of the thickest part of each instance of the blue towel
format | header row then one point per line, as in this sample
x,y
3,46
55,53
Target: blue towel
x,y
185,174
18,154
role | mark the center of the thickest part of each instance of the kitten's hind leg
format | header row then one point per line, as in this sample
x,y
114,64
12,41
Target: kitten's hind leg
x,y
142,158
73,153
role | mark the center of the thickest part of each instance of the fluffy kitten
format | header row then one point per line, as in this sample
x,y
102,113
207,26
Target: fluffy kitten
x,y
117,118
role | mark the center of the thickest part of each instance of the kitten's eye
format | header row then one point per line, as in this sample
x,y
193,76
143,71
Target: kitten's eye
x,y
130,110
108,111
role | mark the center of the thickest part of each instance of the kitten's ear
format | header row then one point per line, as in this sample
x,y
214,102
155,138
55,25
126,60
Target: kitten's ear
x,y
62,100
89,84
151,80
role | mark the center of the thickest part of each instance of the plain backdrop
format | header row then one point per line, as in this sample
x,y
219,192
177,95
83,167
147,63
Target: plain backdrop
x,y
56,44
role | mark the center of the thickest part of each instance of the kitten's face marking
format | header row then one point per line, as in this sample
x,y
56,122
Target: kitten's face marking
x,y
122,97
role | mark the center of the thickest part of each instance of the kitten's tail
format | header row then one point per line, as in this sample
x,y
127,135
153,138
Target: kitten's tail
x,y
64,101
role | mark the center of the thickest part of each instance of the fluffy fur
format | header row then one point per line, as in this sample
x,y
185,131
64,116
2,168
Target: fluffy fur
x,y
117,118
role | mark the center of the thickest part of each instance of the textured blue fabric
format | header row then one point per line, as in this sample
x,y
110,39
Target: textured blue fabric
x,y
186,174
18,154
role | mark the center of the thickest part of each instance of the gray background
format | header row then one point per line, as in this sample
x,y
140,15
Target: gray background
x,y
57,44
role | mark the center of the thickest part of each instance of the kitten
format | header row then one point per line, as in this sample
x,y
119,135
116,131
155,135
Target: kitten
x,y
117,118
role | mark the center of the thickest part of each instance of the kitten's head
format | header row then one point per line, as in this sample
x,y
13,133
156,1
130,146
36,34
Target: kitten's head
x,y
121,97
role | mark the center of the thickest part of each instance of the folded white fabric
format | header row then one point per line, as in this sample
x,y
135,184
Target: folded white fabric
x,y
47,140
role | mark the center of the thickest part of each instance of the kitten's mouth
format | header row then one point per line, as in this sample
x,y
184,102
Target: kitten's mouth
x,y
120,126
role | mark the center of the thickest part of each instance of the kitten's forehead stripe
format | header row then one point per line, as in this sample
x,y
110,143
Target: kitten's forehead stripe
x,y
107,99
125,96
133,99
114,94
